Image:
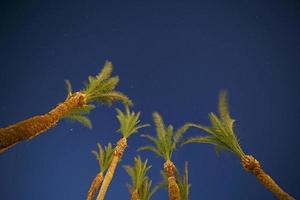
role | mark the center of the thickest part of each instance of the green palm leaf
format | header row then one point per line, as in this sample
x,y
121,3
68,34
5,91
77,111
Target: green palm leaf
x,y
221,132
129,122
80,115
145,190
101,88
139,180
104,156
183,183
137,172
165,141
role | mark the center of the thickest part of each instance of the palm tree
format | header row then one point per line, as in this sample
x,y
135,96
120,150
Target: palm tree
x,y
164,145
223,137
129,125
140,189
100,89
182,182
104,157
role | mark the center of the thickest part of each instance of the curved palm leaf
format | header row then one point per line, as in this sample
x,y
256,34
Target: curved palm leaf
x,y
145,190
165,141
101,88
137,173
129,122
104,156
80,115
183,183
221,132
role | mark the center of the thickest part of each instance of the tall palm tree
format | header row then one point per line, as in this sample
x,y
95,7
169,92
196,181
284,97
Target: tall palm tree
x,y
164,144
221,134
129,125
140,189
104,157
100,88
182,182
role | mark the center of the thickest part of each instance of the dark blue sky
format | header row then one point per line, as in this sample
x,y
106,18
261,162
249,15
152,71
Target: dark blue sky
x,y
172,57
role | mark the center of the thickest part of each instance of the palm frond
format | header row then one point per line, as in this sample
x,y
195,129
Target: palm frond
x,y
183,183
221,133
80,115
146,191
129,122
101,88
137,173
104,156
165,141
68,88
181,131
151,148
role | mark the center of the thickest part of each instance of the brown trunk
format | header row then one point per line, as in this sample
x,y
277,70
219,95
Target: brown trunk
x,y
95,186
252,165
118,153
135,195
173,189
29,128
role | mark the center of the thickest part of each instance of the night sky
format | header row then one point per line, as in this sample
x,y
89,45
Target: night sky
x,y
173,57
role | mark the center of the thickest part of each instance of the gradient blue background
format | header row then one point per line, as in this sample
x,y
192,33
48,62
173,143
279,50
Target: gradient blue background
x,y
172,57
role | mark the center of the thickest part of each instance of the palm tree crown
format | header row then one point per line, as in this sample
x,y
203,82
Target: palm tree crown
x,y
165,140
183,183
104,156
100,89
140,182
129,122
137,173
221,133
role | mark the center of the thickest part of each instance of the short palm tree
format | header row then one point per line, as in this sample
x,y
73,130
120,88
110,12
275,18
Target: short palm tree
x,y
129,125
104,157
140,189
182,182
100,88
164,145
146,192
221,134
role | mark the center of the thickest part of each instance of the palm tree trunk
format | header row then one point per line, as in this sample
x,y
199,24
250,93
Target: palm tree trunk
x,y
252,165
135,195
173,189
29,128
95,186
118,153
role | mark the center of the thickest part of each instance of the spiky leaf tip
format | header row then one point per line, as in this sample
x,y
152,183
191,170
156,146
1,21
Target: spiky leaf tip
x,y
129,122
101,88
80,115
166,139
104,156
221,132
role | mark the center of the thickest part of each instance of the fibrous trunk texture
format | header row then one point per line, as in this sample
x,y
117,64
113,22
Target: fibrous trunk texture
x,y
29,128
95,186
135,195
173,189
252,165
118,153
